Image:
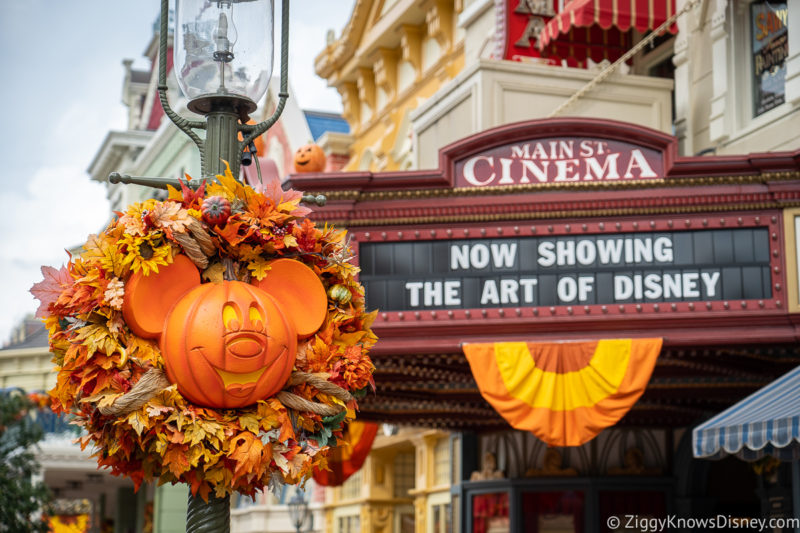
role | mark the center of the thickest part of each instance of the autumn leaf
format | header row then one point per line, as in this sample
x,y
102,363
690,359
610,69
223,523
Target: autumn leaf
x,y
261,210
139,421
288,200
50,288
247,452
176,461
259,268
170,217
249,253
174,194
306,235
188,197
214,273
289,241
231,232
228,186
198,485
250,422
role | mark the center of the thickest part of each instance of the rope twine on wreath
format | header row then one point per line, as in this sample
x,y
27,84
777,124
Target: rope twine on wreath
x,y
196,243
155,381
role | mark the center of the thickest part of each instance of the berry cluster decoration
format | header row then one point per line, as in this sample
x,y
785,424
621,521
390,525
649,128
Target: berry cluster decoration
x,y
228,231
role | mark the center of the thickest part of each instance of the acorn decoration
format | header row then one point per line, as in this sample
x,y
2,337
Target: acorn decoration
x,y
340,293
216,210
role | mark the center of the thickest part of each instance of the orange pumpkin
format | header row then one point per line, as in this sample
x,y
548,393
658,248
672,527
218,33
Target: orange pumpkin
x,y
217,347
228,344
309,158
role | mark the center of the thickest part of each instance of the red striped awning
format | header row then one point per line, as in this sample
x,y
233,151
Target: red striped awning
x,y
643,15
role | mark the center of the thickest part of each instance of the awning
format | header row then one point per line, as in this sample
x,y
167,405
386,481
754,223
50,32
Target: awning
x,y
565,393
643,15
765,423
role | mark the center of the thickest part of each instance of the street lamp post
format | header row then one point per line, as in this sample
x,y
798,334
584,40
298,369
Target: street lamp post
x,y
222,54
223,62
299,513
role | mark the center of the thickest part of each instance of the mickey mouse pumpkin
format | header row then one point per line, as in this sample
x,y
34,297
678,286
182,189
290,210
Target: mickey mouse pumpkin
x,y
227,344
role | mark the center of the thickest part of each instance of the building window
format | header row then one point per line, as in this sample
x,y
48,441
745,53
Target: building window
x,y
403,474
440,514
769,46
441,519
404,519
348,524
351,489
441,458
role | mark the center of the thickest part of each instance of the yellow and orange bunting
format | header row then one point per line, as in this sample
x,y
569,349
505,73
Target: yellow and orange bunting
x,y
565,393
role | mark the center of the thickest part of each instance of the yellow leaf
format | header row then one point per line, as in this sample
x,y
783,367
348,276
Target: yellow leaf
x,y
139,421
103,399
227,186
214,273
195,454
194,434
259,268
250,422
249,253
289,241
174,194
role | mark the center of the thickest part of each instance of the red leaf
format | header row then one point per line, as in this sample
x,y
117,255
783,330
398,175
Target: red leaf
x,y
190,197
48,290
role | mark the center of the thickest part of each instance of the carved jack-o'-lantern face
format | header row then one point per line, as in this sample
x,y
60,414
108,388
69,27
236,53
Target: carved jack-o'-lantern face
x,y
227,344
309,158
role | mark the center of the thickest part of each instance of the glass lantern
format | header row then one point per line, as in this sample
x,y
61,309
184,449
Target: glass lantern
x,y
223,51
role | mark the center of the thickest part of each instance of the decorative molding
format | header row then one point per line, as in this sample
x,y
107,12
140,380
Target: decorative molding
x,y
720,120
411,46
366,87
439,21
500,29
385,70
473,12
351,110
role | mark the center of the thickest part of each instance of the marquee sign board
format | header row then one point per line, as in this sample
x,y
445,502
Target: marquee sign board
x,y
676,266
560,160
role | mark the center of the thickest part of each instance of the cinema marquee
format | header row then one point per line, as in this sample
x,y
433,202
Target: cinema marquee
x,y
569,228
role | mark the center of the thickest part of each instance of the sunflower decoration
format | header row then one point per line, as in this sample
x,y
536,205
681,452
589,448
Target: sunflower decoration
x,y
217,338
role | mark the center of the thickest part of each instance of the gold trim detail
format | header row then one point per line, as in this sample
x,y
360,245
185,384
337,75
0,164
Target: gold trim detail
x,y
536,215
549,187
792,275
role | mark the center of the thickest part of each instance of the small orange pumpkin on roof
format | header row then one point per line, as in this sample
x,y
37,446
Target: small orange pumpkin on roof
x,y
309,158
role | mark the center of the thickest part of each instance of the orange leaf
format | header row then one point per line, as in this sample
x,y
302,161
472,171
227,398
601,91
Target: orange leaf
x,y
198,485
231,232
247,452
175,459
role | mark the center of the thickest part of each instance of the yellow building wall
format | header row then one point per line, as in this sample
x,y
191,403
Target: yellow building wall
x,y
391,57
371,493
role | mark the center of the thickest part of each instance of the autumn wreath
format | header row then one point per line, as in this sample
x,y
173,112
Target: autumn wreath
x,y
110,355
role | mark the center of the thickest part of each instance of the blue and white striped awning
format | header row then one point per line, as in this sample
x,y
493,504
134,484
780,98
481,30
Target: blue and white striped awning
x,y
765,423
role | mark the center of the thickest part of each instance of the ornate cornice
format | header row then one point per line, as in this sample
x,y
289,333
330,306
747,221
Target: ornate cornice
x,y
694,181
343,219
